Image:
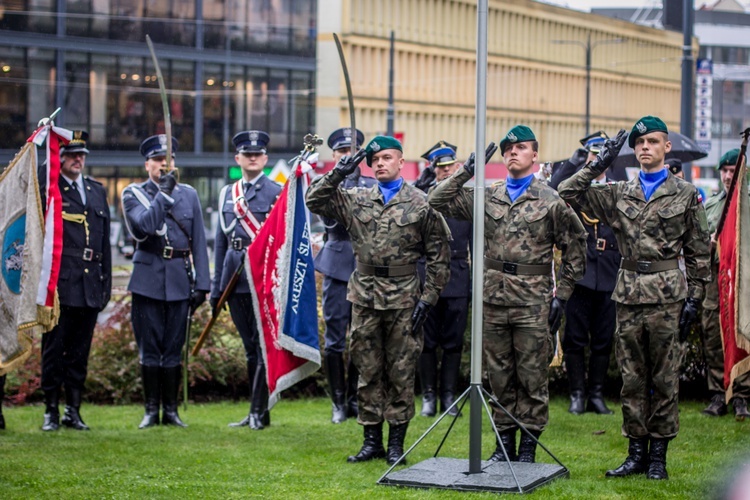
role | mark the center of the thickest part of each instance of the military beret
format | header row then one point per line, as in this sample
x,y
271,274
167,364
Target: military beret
x,y
342,138
593,142
156,145
644,126
519,133
77,144
379,143
728,158
674,165
443,153
251,141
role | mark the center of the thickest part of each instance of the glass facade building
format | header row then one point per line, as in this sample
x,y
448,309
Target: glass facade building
x,y
228,65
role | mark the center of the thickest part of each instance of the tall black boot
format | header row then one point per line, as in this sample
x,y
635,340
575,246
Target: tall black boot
x,y
151,376
260,417
637,461
170,387
428,377
335,369
72,417
52,410
372,447
352,380
527,447
574,364
598,365
449,371
2,397
508,440
396,436
657,459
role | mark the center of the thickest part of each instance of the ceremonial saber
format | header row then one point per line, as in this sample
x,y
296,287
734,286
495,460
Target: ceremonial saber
x,y
164,103
349,94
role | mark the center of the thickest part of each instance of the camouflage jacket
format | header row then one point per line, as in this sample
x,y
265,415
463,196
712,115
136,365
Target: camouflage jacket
x,y
523,232
672,221
392,234
714,206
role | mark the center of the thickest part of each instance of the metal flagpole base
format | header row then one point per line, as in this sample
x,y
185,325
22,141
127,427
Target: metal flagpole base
x,y
453,473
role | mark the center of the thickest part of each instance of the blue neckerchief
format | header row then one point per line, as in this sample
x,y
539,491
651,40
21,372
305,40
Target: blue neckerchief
x,y
389,189
516,187
651,182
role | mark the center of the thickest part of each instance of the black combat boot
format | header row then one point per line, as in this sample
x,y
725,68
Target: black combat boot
x,y
428,378
508,440
740,408
657,459
52,410
637,461
250,379
335,369
449,371
717,407
72,416
527,447
2,397
352,380
151,376
576,373
597,375
372,447
260,417
170,388
396,436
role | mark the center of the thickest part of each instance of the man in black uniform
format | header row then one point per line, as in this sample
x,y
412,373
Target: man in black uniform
x,y
170,275
243,206
84,286
446,322
590,312
336,261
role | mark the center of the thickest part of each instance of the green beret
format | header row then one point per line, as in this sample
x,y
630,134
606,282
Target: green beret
x,y
519,133
644,126
728,158
379,143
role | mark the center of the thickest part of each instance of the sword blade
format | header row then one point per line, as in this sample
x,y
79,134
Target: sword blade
x,y
349,94
164,103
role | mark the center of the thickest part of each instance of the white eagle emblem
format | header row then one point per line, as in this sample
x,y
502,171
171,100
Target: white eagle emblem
x,y
375,146
253,136
641,127
512,137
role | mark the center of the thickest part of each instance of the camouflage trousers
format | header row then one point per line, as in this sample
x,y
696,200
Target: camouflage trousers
x,y
385,353
648,354
517,349
713,350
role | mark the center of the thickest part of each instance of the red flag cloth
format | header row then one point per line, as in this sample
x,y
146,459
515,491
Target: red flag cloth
x,y
733,249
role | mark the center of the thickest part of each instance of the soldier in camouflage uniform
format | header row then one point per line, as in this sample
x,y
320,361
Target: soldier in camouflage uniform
x,y
391,226
655,217
524,220
711,329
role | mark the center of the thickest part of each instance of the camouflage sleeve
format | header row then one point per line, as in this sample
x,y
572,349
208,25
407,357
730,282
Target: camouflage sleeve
x,y
570,239
451,199
697,248
597,201
436,236
324,197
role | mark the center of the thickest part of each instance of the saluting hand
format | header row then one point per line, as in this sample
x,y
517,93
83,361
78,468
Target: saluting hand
x,y
470,163
348,164
426,178
609,152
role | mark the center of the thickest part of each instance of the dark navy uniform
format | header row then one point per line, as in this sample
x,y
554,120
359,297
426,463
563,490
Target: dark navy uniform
x,y
84,288
231,245
170,267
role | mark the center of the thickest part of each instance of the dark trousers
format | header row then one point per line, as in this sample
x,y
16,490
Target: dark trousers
x,y
159,328
65,349
337,313
590,320
446,324
243,315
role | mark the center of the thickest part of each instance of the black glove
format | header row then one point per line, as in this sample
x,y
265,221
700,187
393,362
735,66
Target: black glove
x,y
578,159
197,298
426,178
348,164
167,182
469,165
609,152
214,301
687,317
556,310
419,316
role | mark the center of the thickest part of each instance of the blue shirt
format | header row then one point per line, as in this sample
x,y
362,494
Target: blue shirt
x,y
651,182
516,187
389,189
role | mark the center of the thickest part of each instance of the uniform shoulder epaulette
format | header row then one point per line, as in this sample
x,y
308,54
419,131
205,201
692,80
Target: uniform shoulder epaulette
x,y
91,179
186,186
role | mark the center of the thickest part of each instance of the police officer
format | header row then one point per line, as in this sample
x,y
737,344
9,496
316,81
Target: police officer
x,y
446,323
524,220
84,286
243,207
655,216
711,328
170,275
391,226
336,261
590,313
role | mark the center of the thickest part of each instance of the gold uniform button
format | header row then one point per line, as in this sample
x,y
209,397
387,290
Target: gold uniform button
x,y
86,271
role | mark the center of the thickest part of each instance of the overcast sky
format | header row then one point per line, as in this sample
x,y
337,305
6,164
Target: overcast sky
x,y
587,5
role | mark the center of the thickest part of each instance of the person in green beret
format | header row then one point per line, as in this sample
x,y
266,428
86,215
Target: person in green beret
x,y
391,226
524,221
656,217
711,329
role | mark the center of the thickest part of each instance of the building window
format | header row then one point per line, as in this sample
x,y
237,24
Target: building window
x,y
28,15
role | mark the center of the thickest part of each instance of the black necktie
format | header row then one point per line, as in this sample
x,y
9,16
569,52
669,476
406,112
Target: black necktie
x,y
247,186
75,193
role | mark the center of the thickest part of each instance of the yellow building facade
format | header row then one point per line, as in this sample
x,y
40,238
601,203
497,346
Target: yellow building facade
x,y
536,71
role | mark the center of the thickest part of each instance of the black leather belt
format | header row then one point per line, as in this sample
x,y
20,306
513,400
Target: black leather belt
x,y
239,244
517,269
649,266
86,254
167,252
386,271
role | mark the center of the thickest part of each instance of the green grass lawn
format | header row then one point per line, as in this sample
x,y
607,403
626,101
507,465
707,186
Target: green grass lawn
x,y
302,455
